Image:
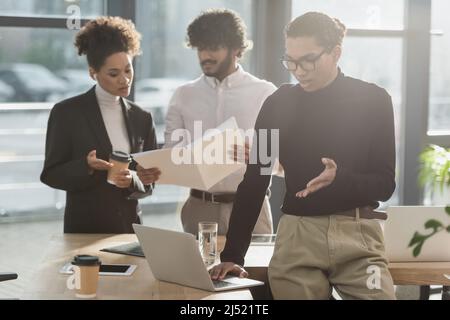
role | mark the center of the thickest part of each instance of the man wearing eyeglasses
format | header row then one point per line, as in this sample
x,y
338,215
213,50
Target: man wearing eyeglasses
x,y
224,90
337,149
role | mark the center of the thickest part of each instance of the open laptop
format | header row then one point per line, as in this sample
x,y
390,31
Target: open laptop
x,y
400,227
175,257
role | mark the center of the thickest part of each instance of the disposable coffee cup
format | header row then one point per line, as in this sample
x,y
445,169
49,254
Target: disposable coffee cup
x,y
85,276
120,161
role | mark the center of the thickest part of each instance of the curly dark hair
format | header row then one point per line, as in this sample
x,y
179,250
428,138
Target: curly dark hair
x,y
104,36
215,28
328,32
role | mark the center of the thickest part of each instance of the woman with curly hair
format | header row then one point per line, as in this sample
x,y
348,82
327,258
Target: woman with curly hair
x,y
83,131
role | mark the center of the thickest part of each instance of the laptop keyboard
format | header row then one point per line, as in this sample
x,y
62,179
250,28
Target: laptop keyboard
x,y
221,284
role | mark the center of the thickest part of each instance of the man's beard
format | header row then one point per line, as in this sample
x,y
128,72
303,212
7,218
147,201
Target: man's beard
x,y
223,67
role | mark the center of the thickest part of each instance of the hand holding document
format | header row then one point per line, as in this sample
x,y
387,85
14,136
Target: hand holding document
x,y
200,165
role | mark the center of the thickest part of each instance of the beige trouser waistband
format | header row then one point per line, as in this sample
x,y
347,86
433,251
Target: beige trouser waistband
x,y
363,213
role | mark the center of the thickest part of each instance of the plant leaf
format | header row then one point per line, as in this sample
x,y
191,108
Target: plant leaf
x,y
417,237
433,224
447,209
417,250
434,167
448,229
443,174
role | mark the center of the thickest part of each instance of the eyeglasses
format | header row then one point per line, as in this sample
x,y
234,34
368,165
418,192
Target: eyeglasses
x,y
307,63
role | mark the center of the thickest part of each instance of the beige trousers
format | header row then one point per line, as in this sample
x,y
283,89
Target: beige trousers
x,y
314,254
196,210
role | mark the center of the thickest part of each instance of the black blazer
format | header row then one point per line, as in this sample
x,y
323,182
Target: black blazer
x,y
75,128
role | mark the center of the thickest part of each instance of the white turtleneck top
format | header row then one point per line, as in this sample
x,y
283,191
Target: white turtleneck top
x,y
113,118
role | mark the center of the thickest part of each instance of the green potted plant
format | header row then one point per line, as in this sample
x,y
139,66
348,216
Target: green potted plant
x,y
434,173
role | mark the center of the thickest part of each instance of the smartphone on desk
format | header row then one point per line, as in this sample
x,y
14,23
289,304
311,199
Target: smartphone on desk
x,y
105,269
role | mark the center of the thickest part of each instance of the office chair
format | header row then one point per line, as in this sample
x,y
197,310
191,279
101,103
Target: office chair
x,y
7,276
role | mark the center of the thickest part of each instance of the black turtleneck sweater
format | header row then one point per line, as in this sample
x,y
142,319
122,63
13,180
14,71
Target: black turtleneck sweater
x,y
349,121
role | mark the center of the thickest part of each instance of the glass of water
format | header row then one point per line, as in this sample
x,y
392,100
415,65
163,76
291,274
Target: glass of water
x,y
207,240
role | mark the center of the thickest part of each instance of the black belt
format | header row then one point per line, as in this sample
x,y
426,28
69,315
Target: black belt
x,y
216,197
365,213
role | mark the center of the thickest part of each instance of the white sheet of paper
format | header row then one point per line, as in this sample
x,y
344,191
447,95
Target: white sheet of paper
x,y
204,172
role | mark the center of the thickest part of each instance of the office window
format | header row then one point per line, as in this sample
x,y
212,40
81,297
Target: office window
x,y
42,8
43,67
366,14
439,104
371,57
35,72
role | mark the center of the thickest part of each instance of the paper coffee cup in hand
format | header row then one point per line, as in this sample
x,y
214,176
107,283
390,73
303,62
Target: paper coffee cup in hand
x,y
120,161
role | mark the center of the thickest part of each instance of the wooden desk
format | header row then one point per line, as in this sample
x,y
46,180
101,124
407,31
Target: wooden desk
x,y
48,283
420,273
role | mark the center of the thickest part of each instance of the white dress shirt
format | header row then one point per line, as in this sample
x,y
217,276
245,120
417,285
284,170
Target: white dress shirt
x,y
206,99
114,120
